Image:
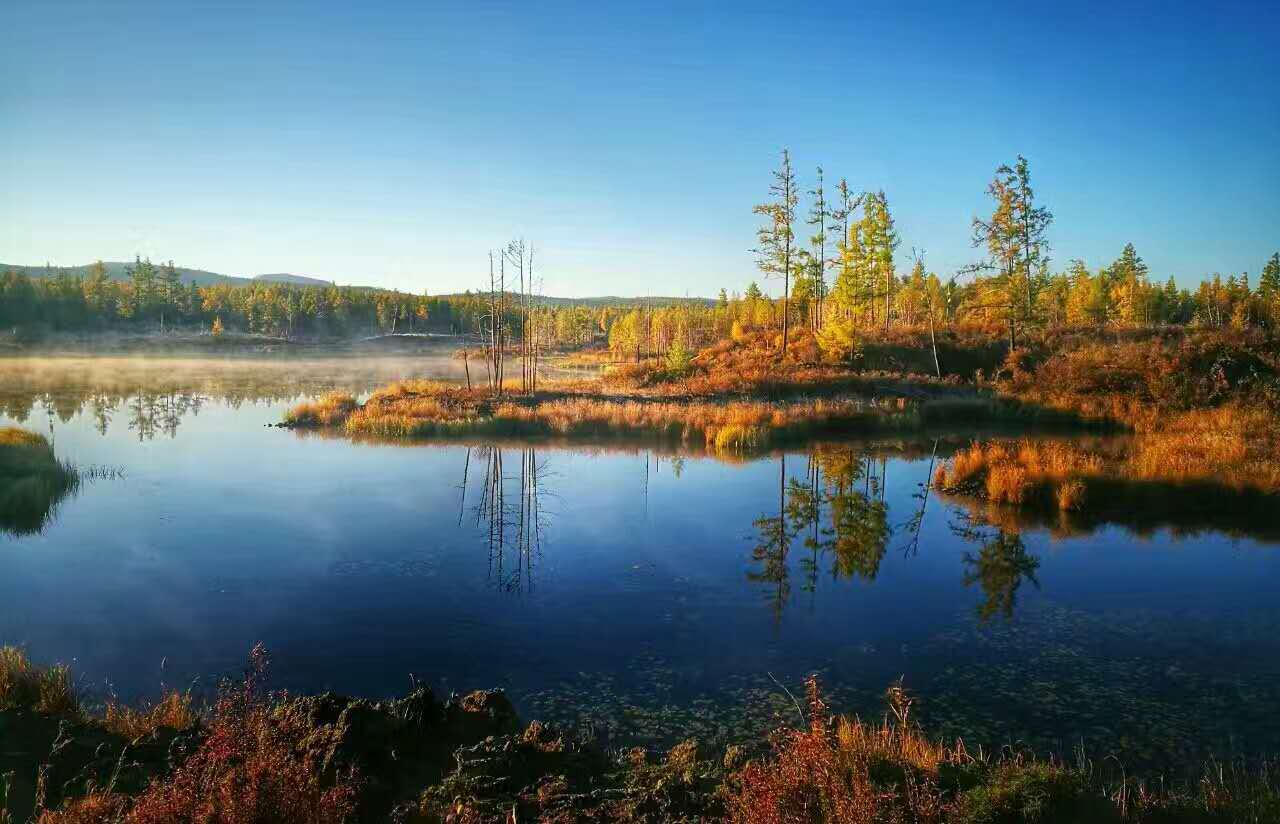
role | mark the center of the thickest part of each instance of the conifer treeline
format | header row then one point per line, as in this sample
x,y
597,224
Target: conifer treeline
x,y
842,281
846,287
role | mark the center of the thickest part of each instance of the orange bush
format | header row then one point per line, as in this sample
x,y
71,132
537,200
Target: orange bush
x,y
828,773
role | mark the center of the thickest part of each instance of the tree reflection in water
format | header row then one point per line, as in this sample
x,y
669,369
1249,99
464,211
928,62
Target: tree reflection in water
x,y
846,488
513,525
773,546
999,567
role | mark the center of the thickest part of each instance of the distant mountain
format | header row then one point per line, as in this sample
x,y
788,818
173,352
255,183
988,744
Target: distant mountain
x,y
118,270
296,280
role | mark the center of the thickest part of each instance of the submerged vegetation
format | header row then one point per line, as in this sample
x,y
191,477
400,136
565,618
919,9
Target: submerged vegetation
x,y
254,756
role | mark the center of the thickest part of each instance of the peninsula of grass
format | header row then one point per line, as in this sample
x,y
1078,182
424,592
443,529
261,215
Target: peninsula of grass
x,y
249,755
736,396
425,410
32,481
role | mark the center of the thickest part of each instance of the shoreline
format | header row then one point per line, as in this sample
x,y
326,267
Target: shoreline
x,y
420,758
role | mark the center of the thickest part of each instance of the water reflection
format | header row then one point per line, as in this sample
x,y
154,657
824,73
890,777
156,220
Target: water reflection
x,y
772,547
513,529
1000,566
157,394
840,510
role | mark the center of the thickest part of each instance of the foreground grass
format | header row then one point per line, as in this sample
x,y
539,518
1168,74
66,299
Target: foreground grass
x,y
255,757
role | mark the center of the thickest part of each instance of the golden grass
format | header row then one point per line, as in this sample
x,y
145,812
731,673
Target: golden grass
x,y
173,711
1233,446
1015,473
421,409
329,410
24,685
16,436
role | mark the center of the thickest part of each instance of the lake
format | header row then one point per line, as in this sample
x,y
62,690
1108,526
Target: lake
x,y
635,593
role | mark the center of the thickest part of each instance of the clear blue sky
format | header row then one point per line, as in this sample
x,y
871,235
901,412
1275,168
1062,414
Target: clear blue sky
x,y
395,145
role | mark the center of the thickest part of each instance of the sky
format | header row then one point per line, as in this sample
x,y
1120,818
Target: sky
x,y
395,144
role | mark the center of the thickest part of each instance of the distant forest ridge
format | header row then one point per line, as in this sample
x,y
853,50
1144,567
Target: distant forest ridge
x,y
119,271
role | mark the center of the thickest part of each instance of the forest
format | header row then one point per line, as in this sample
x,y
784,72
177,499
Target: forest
x,y
842,281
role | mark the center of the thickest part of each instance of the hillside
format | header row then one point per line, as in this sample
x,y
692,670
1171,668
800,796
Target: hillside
x,y
296,280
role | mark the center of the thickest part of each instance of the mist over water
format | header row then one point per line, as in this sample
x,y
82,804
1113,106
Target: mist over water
x,y
641,593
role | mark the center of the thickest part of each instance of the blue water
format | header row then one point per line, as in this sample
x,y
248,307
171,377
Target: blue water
x,y
633,603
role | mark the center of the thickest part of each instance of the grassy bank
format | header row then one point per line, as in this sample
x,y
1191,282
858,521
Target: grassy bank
x,y
1204,409
32,481
253,756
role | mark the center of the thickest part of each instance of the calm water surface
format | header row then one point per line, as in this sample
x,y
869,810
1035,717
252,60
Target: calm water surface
x,y
641,595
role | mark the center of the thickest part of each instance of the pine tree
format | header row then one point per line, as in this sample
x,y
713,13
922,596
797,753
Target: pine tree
x,y
1127,284
1002,236
845,290
818,216
880,240
776,237
1269,282
97,290
1032,223
142,279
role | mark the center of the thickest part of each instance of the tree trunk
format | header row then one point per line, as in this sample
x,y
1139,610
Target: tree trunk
x,y
933,340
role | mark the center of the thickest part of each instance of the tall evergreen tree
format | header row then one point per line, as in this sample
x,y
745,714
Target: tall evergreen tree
x,y
142,281
819,214
777,236
1269,282
1126,280
1032,224
1002,236
880,240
